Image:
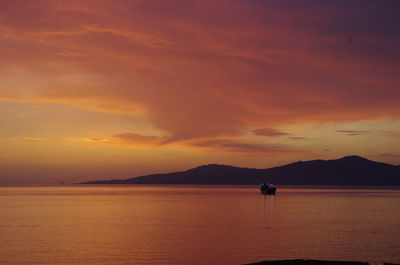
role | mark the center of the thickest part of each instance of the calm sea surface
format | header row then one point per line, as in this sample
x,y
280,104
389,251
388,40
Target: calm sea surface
x,y
195,224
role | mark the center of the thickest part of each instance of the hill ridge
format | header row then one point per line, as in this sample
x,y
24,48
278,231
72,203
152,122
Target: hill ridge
x,y
348,170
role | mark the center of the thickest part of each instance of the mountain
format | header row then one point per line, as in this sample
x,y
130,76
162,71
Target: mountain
x,y
349,170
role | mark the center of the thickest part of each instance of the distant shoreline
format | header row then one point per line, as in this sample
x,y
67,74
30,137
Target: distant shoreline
x,y
346,171
299,187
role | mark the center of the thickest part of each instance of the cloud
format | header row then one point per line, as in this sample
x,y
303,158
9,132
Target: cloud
x,y
8,138
206,68
140,139
34,138
241,146
233,145
353,132
96,140
229,145
269,132
23,138
392,134
391,155
297,138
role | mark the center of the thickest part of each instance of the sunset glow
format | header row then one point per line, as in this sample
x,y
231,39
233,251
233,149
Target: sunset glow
x,y
100,89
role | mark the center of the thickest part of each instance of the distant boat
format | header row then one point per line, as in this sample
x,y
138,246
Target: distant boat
x,y
267,189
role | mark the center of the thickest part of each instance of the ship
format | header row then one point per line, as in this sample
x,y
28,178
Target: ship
x,y
267,189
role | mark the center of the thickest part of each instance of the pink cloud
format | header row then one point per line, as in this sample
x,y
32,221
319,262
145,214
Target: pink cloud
x,y
201,69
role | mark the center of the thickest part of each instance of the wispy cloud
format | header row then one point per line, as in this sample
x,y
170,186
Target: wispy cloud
x,y
297,138
23,138
136,138
9,138
34,138
391,155
353,132
271,132
96,140
393,134
241,146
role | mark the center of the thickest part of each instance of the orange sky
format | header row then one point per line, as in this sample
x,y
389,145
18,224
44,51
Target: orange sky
x,y
98,89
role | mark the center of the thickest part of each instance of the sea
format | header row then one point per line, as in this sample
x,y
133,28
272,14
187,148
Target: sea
x,y
149,224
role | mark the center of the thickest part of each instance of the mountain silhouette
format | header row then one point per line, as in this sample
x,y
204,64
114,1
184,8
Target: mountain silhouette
x,y
349,170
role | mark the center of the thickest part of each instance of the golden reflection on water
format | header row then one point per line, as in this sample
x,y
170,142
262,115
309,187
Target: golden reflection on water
x,y
195,225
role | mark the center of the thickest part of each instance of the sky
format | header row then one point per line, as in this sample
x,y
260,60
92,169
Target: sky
x,y
101,89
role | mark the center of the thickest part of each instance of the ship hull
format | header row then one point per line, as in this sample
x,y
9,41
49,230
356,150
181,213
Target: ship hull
x,y
268,191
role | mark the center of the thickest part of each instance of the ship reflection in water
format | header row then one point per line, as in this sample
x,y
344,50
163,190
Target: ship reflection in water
x,y
267,205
